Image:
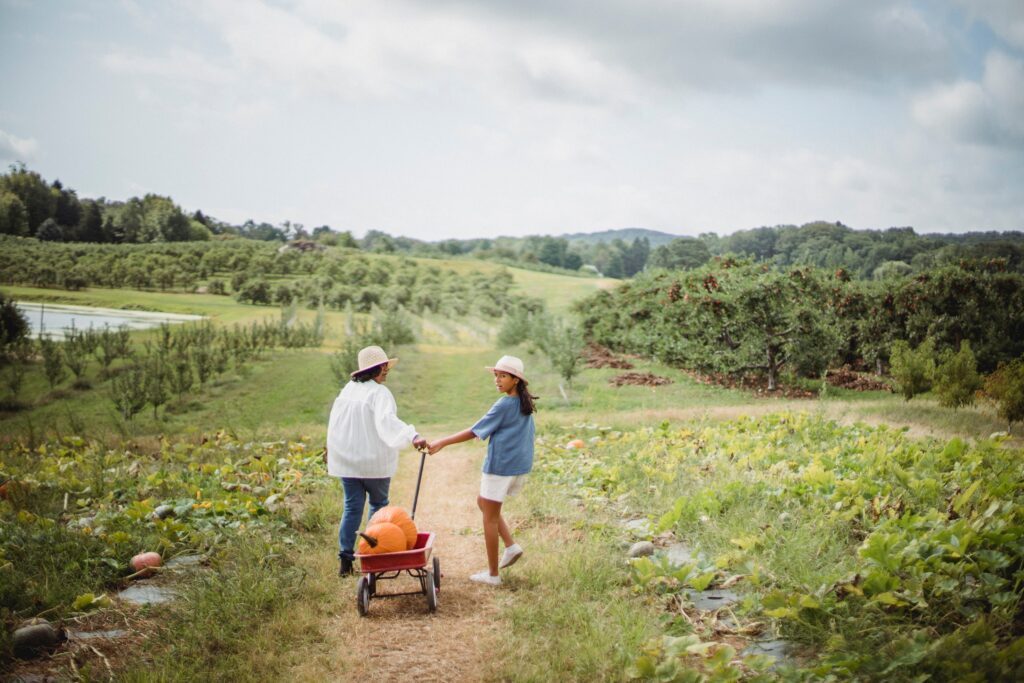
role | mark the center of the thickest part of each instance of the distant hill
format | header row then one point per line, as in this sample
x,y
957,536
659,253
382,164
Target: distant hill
x,y
627,235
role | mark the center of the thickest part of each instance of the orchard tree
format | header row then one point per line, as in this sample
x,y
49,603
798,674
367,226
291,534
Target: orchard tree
x,y
767,320
564,348
157,377
53,361
978,302
128,391
913,369
956,377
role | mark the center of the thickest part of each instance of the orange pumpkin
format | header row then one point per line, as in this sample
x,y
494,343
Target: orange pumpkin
x,y
382,537
400,518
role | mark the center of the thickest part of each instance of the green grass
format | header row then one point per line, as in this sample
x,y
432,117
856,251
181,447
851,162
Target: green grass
x,y
216,627
571,615
286,393
558,292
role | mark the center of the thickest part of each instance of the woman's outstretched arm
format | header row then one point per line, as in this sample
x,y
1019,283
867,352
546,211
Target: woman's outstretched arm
x,y
459,437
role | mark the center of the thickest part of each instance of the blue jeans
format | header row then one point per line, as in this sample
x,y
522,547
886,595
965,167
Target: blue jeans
x,y
356,491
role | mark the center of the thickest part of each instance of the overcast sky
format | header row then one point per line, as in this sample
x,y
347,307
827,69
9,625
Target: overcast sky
x,y
460,118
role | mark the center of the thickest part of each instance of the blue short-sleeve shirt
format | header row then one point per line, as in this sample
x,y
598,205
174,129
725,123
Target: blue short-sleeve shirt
x,y
510,434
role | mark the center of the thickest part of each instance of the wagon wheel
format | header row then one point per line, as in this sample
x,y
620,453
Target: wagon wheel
x,y
363,596
430,590
437,573
372,581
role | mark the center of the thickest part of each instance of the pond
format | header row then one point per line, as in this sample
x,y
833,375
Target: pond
x,y
54,319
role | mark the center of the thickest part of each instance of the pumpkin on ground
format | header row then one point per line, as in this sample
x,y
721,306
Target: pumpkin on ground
x,y
146,562
400,518
382,537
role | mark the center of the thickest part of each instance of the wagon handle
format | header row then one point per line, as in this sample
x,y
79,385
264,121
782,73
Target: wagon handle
x,y
419,478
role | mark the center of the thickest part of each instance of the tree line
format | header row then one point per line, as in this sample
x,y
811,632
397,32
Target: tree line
x,y
32,207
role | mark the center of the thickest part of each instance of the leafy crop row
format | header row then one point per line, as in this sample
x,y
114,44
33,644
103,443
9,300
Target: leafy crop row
x,y
883,556
74,512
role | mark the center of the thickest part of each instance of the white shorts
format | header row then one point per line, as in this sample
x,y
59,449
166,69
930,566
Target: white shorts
x,y
497,487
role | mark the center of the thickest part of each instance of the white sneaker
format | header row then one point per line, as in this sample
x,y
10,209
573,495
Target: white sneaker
x,y
511,554
485,577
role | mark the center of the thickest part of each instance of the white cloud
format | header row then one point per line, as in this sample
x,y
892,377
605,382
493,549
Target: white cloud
x,y
178,64
1004,17
985,112
13,148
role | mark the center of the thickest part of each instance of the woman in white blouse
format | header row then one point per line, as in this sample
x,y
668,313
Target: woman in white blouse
x,y
363,438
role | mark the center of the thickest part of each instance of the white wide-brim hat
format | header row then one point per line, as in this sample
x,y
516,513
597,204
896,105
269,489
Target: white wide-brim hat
x,y
371,357
511,365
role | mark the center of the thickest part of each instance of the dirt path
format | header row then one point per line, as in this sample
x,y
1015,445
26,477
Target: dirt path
x,y
400,640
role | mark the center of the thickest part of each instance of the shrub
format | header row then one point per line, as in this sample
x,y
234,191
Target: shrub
x,y
13,323
564,348
17,356
912,369
128,391
956,378
1005,387
254,291
515,329
157,374
393,327
53,361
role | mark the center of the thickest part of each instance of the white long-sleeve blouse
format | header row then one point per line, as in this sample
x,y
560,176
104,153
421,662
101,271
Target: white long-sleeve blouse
x,y
364,432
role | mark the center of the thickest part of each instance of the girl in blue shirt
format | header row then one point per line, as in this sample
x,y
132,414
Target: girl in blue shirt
x,y
508,427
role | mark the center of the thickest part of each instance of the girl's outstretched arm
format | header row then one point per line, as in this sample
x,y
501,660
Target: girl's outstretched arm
x,y
459,437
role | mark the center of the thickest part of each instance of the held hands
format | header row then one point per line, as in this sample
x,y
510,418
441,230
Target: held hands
x,y
419,443
435,446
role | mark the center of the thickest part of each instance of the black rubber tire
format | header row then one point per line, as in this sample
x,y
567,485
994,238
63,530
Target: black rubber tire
x,y
363,596
431,591
437,573
372,581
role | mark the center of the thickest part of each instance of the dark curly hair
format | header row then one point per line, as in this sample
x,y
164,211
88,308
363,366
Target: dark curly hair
x,y
368,374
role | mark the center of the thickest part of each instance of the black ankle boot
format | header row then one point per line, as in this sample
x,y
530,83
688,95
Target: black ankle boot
x,y
345,568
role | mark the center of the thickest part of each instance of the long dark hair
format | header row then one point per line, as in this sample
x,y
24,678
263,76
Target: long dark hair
x,y
526,399
368,374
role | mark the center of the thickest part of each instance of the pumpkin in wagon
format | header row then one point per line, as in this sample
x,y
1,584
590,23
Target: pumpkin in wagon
x,y
399,517
381,537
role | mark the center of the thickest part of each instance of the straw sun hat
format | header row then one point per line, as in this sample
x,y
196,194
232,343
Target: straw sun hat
x,y
371,357
511,365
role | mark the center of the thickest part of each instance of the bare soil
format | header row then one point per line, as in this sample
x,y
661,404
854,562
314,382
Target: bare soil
x,y
641,379
600,357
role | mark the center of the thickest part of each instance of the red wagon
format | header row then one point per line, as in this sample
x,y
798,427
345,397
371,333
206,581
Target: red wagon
x,y
414,562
